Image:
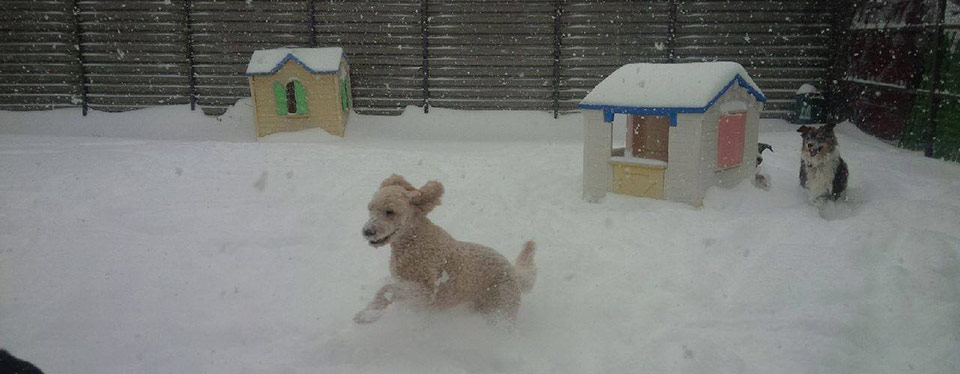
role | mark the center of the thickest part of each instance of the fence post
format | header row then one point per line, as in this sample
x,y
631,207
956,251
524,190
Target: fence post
x,y
425,63
313,23
557,42
188,41
672,31
930,133
81,66
840,40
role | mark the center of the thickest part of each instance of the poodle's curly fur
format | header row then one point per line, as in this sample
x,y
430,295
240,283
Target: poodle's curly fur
x,y
432,269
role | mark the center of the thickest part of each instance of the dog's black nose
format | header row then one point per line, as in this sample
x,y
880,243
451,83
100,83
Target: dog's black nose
x,y
368,232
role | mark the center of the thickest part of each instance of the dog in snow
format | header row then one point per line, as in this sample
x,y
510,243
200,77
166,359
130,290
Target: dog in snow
x,y
760,180
13,365
823,173
432,269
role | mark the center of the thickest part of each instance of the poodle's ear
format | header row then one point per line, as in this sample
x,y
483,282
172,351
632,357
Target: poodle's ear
x,y
428,197
829,126
397,180
804,129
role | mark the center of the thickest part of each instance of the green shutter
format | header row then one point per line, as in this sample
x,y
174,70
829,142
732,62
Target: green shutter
x,y
280,97
343,95
301,97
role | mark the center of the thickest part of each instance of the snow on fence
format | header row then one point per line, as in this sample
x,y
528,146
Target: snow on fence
x,y
470,54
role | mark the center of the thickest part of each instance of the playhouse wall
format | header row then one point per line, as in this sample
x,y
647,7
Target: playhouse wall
x,y
597,171
333,118
710,174
323,102
681,179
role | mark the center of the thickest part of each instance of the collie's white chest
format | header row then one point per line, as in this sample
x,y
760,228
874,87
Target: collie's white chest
x,y
820,173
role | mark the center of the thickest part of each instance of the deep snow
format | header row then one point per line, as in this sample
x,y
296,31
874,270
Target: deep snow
x,y
132,255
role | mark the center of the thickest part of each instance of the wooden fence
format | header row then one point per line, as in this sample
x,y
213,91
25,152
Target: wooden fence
x,y
116,55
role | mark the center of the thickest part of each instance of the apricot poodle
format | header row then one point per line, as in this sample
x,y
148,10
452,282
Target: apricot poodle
x,y
432,269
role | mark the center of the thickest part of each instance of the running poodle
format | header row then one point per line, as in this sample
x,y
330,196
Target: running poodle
x,y
432,269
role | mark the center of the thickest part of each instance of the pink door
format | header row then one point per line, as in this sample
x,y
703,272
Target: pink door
x,y
731,134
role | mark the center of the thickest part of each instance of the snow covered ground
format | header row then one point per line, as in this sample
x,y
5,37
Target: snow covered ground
x,y
186,246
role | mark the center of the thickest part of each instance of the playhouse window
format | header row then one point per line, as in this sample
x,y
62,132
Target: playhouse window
x,y
648,137
731,134
291,98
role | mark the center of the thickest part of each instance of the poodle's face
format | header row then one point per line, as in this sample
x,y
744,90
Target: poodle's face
x,y
390,210
394,207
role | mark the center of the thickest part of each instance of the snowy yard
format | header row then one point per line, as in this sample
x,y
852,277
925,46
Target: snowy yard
x,y
182,245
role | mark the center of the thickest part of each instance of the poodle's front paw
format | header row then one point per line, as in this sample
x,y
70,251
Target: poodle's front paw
x,y
368,316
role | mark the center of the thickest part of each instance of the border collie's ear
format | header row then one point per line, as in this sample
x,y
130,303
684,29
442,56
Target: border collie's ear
x,y
830,126
397,180
428,197
803,129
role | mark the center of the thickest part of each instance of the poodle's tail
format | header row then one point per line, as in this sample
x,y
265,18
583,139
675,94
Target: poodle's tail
x,y
525,267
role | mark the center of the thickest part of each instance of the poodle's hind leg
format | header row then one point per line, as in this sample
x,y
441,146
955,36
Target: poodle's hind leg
x,y
500,303
390,293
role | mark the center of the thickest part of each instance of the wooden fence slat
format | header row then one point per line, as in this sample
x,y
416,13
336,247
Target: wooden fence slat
x,y
81,68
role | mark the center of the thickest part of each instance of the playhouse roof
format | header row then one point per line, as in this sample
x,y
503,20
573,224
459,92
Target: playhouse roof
x,y
676,88
315,60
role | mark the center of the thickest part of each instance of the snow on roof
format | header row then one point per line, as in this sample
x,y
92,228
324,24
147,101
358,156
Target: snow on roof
x,y
315,60
806,88
661,86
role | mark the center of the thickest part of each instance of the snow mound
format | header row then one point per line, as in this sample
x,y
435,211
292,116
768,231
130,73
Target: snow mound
x,y
806,88
171,122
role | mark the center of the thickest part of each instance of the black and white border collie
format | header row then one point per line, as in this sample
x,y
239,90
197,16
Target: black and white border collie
x,y
13,365
823,173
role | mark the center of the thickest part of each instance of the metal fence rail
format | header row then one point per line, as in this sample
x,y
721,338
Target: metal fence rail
x,y
116,55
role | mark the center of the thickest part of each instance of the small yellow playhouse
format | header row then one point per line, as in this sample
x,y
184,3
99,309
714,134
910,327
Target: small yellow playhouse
x,y
300,88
